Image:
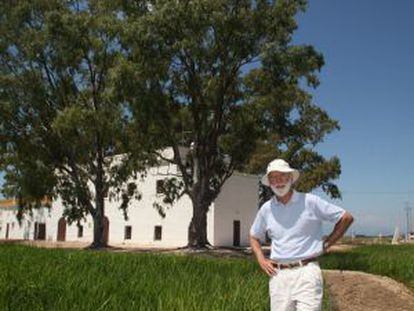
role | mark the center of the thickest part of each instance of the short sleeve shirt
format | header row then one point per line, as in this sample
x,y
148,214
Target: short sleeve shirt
x,y
295,228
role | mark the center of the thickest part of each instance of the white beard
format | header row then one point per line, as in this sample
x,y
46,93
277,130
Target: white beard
x,y
280,192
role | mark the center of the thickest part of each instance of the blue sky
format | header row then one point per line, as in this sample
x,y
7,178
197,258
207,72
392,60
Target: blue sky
x,y
367,85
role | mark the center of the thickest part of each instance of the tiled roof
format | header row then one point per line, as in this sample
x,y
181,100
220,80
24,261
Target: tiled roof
x,y
10,203
5,203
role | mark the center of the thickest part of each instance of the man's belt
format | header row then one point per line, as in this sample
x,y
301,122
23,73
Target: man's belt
x,y
294,264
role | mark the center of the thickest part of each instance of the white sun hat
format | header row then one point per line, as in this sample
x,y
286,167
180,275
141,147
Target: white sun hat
x,y
279,165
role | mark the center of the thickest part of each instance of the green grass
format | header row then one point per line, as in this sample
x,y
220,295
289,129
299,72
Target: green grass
x,y
55,279
58,279
395,261
327,302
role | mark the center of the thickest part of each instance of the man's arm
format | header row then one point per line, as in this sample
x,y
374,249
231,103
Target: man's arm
x,y
265,264
339,230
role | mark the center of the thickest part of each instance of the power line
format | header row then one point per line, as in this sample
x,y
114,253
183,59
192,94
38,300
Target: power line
x,y
392,193
379,192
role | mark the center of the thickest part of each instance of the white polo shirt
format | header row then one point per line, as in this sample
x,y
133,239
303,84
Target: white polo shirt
x,y
295,228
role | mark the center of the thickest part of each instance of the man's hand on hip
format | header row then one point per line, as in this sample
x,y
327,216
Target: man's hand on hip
x,y
267,266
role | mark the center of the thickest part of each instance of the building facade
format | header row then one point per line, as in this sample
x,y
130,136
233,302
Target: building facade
x,y
228,220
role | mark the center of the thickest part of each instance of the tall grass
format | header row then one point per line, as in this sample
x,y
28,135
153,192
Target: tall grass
x,y
395,261
44,279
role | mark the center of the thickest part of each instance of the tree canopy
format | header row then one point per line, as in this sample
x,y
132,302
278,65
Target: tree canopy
x,y
218,81
227,75
64,130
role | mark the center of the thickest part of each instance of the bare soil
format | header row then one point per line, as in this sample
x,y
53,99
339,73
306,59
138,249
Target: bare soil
x,y
341,247
359,291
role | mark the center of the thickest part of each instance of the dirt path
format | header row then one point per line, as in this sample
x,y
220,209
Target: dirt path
x,y
359,291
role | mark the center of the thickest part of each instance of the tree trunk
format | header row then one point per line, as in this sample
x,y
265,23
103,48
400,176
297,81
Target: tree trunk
x,y
99,240
197,231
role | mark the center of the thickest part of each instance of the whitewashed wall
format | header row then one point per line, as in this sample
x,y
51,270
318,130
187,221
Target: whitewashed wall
x,y
238,200
143,217
24,229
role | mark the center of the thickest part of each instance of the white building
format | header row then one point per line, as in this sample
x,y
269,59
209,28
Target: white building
x,y
228,220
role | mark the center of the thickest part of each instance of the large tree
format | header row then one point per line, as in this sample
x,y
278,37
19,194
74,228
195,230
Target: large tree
x,y
64,129
227,80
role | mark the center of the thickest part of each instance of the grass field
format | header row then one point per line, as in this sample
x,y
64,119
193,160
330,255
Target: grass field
x,y
55,279
395,261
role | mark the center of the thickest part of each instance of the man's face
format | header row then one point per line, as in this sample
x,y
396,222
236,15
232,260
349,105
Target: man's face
x,y
279,179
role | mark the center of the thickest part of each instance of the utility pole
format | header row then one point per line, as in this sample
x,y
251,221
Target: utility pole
x,y
411,221
408,218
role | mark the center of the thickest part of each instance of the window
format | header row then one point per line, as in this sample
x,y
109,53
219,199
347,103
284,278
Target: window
x,y
80,231
160,185
157,233
128,233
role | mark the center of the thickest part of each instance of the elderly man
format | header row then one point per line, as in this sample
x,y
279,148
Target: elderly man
x,y
293,221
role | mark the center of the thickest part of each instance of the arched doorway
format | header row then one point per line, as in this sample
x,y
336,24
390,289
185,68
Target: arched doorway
x,y
61,234
106,229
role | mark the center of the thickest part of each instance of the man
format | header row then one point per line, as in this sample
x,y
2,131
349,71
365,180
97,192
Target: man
x,y
293,221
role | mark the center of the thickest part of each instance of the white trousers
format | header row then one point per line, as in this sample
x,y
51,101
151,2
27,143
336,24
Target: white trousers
x,y
299,288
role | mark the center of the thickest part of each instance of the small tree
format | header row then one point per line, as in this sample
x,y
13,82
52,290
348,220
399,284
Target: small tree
x,y
64,130
316,171
226,75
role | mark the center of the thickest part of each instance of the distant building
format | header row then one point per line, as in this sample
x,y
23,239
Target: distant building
x,y
228,220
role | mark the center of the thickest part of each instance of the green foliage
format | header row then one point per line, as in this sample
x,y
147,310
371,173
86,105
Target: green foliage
x,y
63,124
84,80
226,74
171,189
230,66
